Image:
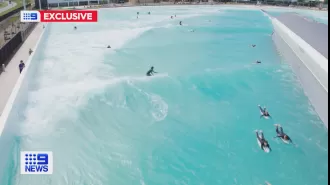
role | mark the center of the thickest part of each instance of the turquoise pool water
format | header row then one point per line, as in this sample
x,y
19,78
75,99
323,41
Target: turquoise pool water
x,y
192,123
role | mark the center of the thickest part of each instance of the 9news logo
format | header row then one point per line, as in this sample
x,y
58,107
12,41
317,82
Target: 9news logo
x,y
35,162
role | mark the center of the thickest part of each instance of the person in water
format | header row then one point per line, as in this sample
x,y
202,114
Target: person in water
x,y
281,134
180,23
258,62
253,45
264,143
109,46
151,71
75,27
264,112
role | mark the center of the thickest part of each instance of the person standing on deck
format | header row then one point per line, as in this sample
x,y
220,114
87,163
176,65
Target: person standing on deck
x,y
21,66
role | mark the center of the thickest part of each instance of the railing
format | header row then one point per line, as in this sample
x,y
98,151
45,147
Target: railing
x,y
10,48
7,51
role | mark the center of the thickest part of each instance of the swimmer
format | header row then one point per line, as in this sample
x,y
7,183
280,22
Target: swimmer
x,y
149,13
253,45
171,17
109,46
75,27
281,134
264,112
258,62
180,23
262,140
151,71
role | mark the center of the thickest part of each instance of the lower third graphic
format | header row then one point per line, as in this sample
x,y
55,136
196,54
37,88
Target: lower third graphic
x,y
36,162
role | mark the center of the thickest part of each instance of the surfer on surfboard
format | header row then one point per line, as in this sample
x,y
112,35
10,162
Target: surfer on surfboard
x,y
264,112
264,145
281,134
151,71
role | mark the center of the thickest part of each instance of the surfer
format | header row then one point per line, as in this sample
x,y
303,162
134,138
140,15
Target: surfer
x,y
263,142
264,112
281,134
151,71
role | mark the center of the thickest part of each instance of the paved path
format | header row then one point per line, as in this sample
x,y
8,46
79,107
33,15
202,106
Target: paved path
x,y
13,4
9,77
314,33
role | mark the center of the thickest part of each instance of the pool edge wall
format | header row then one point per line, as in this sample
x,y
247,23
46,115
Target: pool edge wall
x,y
13,114
309,66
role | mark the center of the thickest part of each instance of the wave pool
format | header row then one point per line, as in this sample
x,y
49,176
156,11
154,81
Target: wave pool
x,y
192,123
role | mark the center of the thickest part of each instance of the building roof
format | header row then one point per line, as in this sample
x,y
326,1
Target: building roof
x,y
314,33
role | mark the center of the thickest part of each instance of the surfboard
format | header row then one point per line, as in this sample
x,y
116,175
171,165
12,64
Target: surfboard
x,y
266,117
266,149
285,141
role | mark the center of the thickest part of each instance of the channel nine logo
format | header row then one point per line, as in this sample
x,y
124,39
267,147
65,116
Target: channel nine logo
x,y
30,16
36,162
59,16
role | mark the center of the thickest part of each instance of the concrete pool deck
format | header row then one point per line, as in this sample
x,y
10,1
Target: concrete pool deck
x,y
8,79
314,33
304,45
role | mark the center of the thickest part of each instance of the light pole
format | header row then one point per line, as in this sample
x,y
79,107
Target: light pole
x,y
24,5
39,4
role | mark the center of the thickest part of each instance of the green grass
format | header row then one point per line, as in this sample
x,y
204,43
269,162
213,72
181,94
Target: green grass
x,y
13,19
3,4
19,3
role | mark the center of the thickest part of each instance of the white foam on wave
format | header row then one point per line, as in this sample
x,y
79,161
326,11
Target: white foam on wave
x,y
74,65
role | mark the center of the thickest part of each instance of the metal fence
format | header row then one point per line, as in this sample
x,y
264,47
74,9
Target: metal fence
x,y
9,49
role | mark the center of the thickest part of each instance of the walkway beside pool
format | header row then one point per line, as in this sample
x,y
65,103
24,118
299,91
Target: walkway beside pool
x,y
314,33
9,78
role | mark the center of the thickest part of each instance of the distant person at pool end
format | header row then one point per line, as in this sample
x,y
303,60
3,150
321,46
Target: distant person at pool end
x,y
75,27
151,71
109,46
